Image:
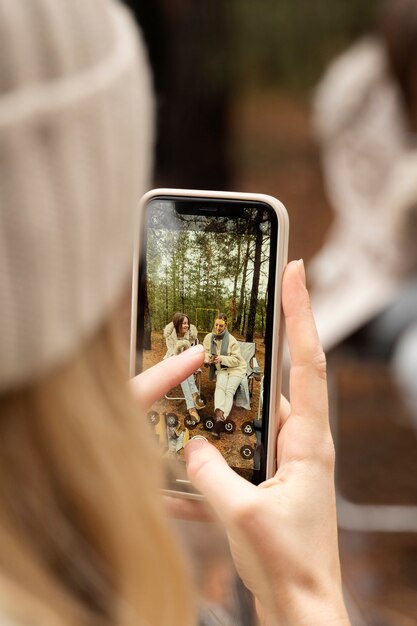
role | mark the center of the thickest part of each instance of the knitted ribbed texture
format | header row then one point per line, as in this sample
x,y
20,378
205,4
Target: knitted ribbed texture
x,y
75,139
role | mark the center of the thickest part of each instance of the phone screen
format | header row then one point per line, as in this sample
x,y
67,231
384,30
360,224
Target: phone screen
x,y
207,276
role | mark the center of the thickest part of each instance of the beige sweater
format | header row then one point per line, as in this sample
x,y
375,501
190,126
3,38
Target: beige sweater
x,y
233,361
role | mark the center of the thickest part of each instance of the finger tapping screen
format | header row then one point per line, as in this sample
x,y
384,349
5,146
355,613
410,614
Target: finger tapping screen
x,y
207,276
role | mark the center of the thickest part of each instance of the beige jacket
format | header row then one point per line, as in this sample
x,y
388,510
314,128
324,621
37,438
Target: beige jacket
x,y
234,361
174,344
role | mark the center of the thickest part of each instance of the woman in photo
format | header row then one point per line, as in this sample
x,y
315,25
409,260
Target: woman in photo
x,y
227,368
179,336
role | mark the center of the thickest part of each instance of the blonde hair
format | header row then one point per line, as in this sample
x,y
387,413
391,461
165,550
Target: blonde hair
x,y
84,538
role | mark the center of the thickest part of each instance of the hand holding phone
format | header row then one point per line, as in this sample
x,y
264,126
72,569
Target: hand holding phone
x,y
208,270
283,533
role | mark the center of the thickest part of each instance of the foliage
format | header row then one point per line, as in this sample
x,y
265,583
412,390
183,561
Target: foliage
x,y
287,43
205,271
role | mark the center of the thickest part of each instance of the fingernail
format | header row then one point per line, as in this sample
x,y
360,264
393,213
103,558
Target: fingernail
x,y
199,441
302,271
198,349
195,443
199,438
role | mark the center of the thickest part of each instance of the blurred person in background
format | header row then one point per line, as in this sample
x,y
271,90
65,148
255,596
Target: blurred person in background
x,y
85,538
365,116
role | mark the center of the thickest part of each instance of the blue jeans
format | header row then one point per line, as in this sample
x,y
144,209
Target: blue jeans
x,y
189,387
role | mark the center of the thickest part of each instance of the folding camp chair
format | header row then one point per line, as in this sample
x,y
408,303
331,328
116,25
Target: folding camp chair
x,y
253,372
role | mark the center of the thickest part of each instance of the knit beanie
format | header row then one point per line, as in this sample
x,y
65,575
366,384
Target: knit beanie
x,y
75,144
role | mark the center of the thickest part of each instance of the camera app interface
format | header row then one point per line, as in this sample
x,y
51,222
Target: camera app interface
x,y
206,277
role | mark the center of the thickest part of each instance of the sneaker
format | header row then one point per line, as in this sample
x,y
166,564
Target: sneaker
x,y
193,413
198,401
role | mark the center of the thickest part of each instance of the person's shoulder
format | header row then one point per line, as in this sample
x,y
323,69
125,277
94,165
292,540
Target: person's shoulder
x,y
234,343
193,332
167,332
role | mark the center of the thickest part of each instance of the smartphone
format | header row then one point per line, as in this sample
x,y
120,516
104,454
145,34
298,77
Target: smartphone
x,y
207,269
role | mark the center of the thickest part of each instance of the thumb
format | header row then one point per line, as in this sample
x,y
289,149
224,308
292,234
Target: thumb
x,y
225,490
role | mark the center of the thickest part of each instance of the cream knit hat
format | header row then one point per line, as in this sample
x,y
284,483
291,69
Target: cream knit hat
x,y
75,144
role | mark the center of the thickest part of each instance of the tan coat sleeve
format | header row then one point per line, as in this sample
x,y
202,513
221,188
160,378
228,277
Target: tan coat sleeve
x,y
234,357
207,347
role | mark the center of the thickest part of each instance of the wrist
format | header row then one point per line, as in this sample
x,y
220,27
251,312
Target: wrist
x,y
307,610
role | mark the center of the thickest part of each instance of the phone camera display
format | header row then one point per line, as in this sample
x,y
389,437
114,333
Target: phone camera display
x,y
207,276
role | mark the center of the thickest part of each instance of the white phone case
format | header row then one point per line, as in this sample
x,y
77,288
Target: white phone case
x,y
278,323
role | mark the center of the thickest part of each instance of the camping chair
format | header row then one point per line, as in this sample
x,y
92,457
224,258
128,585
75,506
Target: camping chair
x,y
253,372
261,401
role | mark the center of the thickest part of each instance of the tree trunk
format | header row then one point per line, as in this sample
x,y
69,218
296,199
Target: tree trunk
x,y
242,288
166,294
264,330
233,324
242,330
144,337
255,287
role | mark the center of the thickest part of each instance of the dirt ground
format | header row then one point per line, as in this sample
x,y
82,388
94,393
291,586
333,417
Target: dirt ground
x,y
229,444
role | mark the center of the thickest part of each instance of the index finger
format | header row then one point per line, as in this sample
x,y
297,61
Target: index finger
x,y
308,385
156,381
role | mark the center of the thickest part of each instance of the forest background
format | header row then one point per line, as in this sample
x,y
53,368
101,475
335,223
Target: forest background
x,y
209,265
